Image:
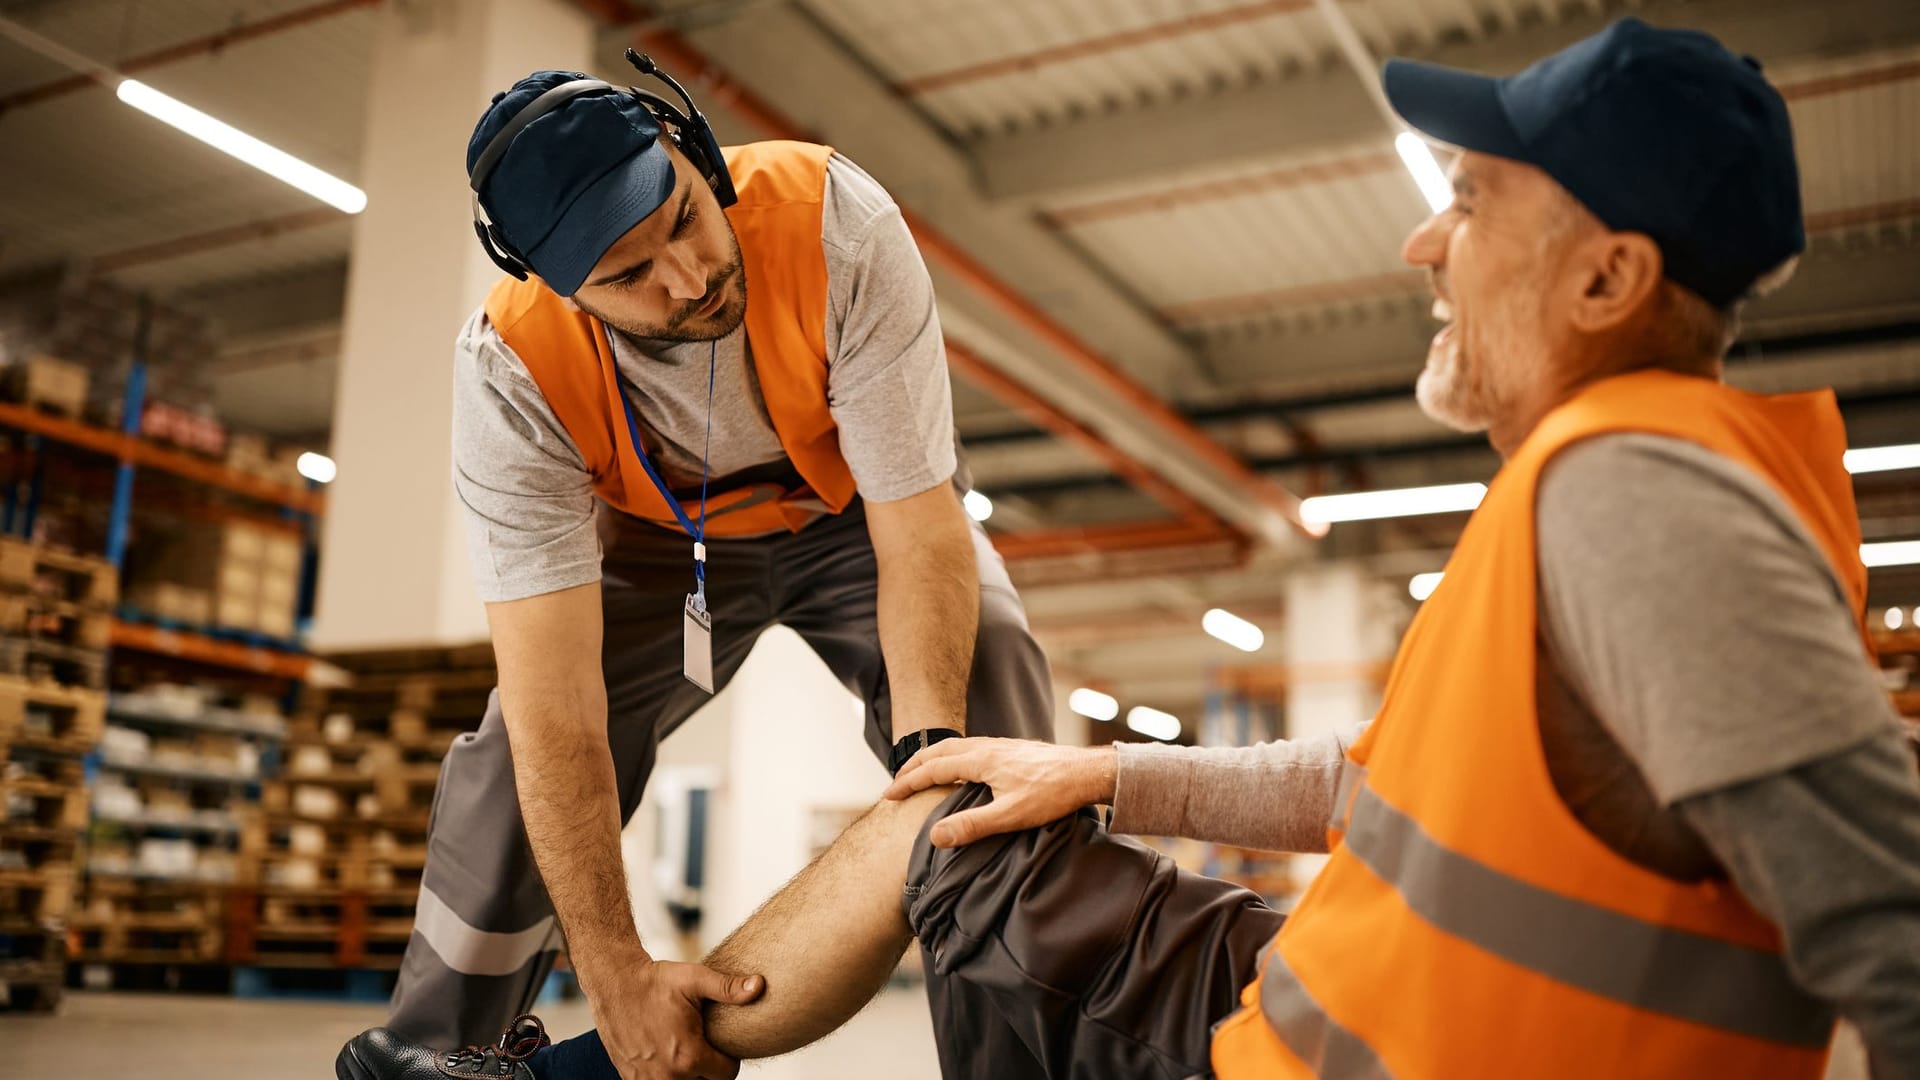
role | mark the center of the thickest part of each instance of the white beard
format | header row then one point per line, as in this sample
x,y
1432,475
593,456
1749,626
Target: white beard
x,y
1445,390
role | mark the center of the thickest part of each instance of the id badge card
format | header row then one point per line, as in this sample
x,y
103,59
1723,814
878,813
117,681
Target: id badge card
x,y
696,635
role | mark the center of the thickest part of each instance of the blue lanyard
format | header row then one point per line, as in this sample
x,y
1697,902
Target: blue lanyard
x,y
698,532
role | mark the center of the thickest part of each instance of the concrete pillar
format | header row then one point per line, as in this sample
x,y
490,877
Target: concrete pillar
x,y
394,565
1339,624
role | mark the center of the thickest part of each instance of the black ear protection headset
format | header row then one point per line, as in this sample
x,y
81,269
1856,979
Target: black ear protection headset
x,y
689,131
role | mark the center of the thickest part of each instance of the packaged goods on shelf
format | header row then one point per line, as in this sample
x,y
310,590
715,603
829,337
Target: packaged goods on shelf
x,y
49,383
250,573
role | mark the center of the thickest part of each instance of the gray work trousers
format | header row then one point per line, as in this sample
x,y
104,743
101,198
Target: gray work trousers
x,y
1067,953
484,935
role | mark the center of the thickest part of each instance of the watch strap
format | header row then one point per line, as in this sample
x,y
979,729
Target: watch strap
x,y
914,742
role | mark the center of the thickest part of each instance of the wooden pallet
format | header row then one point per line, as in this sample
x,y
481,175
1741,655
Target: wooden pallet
x,y
47,803
43,896
61,622
31,987
147,939
32,971
44,661
57,719
31,849
58,575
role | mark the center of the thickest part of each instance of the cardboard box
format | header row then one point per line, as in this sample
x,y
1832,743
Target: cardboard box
x,y
55,385
249,453
283,554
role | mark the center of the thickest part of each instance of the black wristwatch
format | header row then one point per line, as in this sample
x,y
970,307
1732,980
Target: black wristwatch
x,y
904,750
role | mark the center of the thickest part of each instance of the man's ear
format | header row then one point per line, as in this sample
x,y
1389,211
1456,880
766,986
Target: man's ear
x,y
1620,272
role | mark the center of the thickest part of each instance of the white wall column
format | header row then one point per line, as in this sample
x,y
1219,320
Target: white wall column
x,y
394,566
1340,623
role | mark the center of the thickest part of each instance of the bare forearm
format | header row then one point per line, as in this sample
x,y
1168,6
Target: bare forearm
x,y
929,612
1275,796
569,801
827,941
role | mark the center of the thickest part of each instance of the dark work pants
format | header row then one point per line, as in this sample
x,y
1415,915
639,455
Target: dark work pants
x,y
1066,952
484,936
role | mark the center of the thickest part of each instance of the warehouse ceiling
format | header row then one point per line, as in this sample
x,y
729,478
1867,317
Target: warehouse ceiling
x,y
1174,230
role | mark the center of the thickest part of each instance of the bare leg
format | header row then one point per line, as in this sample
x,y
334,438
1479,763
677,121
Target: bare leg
x,y
825,942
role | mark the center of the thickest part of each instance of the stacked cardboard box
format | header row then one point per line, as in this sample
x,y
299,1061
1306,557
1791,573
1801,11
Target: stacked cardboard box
x,y
248,574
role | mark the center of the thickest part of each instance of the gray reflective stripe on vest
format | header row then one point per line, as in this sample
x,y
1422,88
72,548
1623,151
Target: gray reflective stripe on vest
x,y
1331,1051
1352,779
472,951
1660,969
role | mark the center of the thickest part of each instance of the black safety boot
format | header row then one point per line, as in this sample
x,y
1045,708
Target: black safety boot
x,y
379,1054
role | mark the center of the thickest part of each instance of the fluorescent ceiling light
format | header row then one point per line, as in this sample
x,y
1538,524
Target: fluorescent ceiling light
x,y
1895,618
1153,723
230,140
1883,458
1233,630
1401,502
1422,585
1426,171
1093,704
979,507
1891,553
318,468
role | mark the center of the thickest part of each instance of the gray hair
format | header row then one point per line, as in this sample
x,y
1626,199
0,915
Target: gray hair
x,y
1686,332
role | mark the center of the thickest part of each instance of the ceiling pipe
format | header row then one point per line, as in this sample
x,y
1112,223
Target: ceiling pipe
x,y
187,50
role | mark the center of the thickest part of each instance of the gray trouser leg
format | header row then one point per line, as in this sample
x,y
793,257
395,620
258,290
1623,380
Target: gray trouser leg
x,y
485,936
1100,956
826,590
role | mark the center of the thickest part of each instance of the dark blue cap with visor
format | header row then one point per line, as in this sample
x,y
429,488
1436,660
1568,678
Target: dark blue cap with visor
x,y
1661,132
574,180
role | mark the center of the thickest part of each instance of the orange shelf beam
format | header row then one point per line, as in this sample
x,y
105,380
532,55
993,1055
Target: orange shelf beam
x,y
206,650
145,454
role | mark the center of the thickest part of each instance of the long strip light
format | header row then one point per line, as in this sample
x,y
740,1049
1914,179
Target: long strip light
x,y
1891,553
1422,585
1419,160
230,140
1883,458
1399,502
1153,723
1093,704
1233,630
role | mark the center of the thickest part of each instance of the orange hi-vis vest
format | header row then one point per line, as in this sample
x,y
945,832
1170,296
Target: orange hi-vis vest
x,y
1466,924
777,220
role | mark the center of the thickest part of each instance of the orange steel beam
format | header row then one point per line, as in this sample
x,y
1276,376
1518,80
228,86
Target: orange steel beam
x,y
676,52
182,246
1104,539
1066,428
205,650
187,50
146,454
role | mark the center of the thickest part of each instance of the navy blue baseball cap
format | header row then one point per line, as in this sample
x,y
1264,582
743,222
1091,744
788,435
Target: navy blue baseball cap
x,y
1662,132
575,179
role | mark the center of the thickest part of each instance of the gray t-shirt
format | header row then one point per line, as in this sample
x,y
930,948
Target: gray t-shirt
x,y
528,496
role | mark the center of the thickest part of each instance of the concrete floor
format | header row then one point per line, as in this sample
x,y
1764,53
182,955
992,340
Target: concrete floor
x,y
174,1037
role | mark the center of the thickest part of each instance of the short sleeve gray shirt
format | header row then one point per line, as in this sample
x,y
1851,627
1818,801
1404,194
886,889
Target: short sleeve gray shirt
x,y
528,497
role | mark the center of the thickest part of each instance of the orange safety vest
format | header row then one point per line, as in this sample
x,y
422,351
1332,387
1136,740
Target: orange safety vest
x,y
777,220
1466,924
